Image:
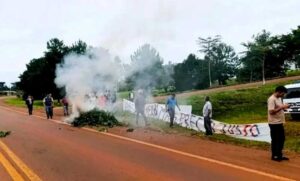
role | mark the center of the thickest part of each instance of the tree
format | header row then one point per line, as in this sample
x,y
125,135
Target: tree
x,y
3,87
224,62
207,46
191,74
38,78
288,46
78,47
147,69
262,58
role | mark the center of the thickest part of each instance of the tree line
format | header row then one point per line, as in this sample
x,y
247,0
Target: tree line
x,y
265,57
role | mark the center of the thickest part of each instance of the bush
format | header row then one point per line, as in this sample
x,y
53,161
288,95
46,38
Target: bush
x,y
95,118
4,133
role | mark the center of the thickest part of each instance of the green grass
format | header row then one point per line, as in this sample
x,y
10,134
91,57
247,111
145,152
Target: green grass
x,y
123,95
292,143
243,107
128,120
293,72
236,106
21,103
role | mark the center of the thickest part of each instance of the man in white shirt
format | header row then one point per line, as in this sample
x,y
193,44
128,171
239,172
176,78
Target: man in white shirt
x,y
207,114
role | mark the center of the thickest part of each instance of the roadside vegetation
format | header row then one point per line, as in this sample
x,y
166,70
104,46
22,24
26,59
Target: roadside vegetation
x,y
18,102
95,118
4,133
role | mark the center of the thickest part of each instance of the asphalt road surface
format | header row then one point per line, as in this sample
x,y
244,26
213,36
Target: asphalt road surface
x,y
40,149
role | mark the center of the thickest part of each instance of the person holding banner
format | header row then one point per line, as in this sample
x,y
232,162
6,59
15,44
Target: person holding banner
x,y
207,114
170,107
276,120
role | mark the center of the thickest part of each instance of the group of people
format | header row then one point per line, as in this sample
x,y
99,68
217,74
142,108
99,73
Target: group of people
x,y
48,103
276,117
207,112
171,104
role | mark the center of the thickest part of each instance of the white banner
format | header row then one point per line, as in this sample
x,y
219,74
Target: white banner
x,y
184,118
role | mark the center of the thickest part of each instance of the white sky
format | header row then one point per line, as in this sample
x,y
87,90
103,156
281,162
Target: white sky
x,y
171,26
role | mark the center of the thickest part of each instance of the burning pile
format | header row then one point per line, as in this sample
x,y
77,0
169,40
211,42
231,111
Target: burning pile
x,y
95,117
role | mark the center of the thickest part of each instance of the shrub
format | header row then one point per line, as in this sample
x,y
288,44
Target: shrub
x,y
95,118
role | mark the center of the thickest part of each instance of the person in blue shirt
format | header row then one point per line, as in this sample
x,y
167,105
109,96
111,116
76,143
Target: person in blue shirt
x,y
170,107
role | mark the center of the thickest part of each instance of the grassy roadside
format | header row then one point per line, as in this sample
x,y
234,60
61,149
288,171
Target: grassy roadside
x,y
292,143
129,120
241,106
245,106
14,101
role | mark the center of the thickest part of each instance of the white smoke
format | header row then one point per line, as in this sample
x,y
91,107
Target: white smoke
x,y
88,78
91,80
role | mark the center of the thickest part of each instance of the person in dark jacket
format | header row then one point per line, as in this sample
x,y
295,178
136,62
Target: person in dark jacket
x,y
29,102
48,103
140,102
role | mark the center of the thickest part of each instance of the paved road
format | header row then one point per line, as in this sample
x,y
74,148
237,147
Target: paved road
x,y
52,151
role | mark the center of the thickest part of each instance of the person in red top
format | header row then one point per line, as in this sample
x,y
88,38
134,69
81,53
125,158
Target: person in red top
x,y
102,101
65,104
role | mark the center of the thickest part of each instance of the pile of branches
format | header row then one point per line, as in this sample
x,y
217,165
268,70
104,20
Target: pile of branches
x,y
4,133
95,118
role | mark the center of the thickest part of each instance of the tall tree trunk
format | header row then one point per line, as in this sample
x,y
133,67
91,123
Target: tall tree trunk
x,y
263,70
209,72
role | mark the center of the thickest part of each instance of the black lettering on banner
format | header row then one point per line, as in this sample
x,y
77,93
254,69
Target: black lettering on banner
x,y
151,110
184,118
230,129
238,130
223,129
254,130
193,121
245,129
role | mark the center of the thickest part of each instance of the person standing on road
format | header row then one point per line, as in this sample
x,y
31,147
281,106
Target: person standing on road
x,y
140,102
170,107
207,114
48,103
65,104
29,103
276,120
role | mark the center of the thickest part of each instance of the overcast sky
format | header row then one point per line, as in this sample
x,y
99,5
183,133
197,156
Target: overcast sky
x,y
171,26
